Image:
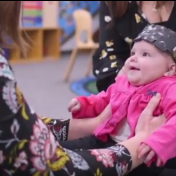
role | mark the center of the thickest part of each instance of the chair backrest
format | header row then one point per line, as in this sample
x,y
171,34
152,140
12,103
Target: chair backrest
x,y
83,23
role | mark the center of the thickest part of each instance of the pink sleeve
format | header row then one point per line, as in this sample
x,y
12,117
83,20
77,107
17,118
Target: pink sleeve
x,y
93,105
163,141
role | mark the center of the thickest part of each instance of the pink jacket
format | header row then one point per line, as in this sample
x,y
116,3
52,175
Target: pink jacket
x,y
129,101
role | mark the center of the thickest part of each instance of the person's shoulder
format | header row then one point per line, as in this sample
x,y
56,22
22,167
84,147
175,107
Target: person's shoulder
x,y
132,8
127,25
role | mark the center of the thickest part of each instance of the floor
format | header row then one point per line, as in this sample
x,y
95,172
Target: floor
x,y
42,85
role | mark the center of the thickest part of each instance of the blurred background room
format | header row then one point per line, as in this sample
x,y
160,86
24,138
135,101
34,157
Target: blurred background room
x,y
58,65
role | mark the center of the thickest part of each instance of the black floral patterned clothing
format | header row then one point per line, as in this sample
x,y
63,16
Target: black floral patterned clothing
x,y
28,146
115,42
59,127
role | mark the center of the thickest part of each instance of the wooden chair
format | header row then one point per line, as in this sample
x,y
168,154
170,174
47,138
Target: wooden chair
x,y
83,22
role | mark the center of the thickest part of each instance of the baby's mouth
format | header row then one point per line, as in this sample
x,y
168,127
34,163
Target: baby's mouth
x,y
134,68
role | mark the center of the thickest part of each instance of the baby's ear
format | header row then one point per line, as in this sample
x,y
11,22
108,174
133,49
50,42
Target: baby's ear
x,y
171,71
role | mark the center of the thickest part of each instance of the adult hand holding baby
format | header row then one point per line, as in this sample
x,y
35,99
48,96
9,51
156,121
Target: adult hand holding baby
x,y
148,123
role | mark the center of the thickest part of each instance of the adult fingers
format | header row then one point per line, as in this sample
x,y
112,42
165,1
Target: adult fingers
x,y
158,162
151,106
162,118
140,148
149,156
144,151
157,122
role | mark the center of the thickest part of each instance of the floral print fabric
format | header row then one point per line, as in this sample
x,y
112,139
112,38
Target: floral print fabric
x,y
28,146
59,127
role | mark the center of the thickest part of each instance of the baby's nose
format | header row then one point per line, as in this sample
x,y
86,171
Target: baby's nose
x,y
133,58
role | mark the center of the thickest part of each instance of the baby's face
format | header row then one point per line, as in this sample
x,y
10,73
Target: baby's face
x,y
147,64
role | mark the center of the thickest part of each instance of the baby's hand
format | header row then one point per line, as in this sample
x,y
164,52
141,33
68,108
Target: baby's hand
x,y
145,150
74,105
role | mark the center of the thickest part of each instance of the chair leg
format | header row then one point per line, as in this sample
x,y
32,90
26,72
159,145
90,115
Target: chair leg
x,y
89,68
70,64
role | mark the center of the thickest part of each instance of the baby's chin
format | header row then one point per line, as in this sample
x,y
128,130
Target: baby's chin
x,y
136,82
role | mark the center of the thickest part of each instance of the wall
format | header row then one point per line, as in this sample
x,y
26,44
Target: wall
x,y
66,9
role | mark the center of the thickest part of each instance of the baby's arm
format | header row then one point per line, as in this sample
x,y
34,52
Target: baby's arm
x,y
163,141
93,105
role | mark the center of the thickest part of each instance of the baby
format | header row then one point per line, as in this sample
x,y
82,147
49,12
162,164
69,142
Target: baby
x,y
150,69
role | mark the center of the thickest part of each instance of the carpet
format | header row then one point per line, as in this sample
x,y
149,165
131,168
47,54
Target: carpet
x,y
85,86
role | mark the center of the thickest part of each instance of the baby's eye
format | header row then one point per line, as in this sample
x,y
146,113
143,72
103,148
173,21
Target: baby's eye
x,y
132,53
146,54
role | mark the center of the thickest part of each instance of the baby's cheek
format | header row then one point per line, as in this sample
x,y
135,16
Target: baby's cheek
x,y
126,64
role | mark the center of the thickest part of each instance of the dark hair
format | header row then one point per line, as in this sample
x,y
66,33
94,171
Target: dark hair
x,y
118,8
9,24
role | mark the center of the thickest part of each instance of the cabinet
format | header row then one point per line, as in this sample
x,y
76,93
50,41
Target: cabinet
x,y
43,44
44,41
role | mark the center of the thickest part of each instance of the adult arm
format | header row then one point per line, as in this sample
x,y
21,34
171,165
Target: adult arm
x,y
28,147
164,138
69,129
112,52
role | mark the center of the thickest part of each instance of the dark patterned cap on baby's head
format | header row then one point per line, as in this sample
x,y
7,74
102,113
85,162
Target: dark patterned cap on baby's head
x,y
161,37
